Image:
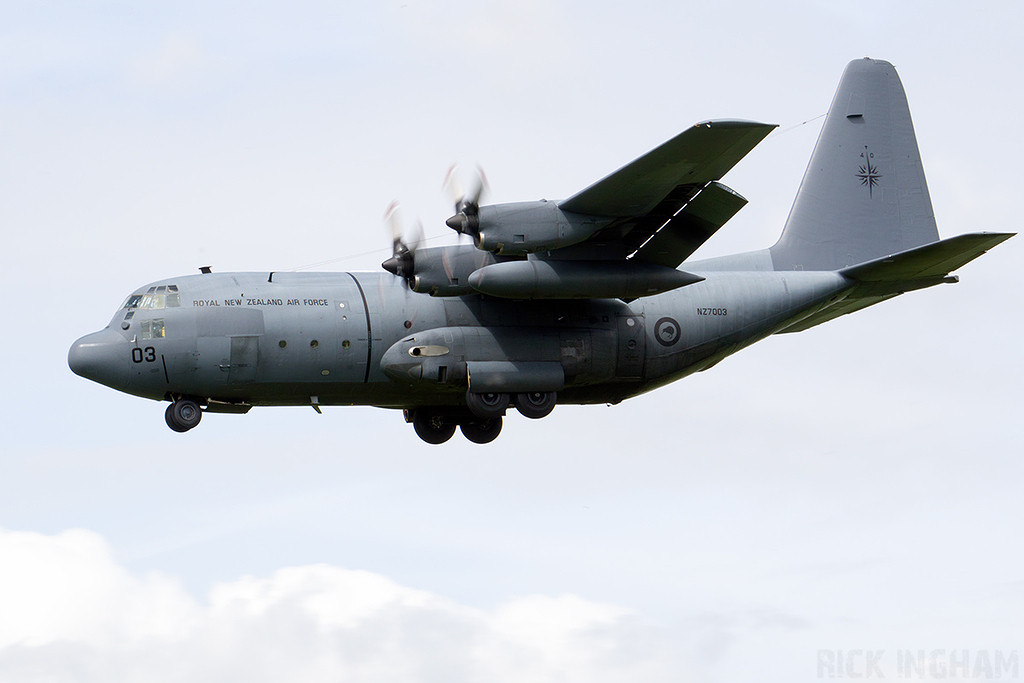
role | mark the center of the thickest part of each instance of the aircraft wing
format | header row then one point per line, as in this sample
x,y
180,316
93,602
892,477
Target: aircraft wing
x,y
701,153
668,237
668,202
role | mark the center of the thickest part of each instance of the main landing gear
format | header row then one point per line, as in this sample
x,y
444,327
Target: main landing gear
x,y
437,425
481,420
432,426
183,414
536,404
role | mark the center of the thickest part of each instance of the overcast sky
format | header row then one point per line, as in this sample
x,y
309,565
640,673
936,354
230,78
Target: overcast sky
x,y
855,487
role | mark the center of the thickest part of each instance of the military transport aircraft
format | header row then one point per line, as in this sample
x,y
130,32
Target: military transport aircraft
x,y
573,301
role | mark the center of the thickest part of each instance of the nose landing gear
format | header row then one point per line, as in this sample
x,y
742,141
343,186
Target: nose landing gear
x,y
183,414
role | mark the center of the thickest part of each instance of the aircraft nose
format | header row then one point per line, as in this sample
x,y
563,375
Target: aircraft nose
x,y
101,357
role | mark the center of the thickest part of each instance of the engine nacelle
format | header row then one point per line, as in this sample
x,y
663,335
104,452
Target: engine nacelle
x,y
445,271
528,227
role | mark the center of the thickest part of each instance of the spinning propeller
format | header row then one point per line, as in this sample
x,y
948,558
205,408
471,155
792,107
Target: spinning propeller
x,y
466,220
403,257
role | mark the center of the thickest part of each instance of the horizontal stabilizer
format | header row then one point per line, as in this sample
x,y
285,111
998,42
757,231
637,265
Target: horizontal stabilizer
x,y
699,154
935,260
907,271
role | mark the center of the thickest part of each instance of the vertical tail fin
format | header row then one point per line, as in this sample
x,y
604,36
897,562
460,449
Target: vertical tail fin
x,y
864,194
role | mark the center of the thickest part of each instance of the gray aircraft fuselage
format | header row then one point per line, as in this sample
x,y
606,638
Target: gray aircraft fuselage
x,y
321,338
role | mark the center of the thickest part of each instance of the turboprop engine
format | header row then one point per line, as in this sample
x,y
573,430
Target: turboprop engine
x,y
522,228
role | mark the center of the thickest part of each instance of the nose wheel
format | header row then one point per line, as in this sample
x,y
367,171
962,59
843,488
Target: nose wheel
x,y
183,414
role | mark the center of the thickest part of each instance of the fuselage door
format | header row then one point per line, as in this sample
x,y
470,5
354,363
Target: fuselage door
x,y
353,337
244,358
632,347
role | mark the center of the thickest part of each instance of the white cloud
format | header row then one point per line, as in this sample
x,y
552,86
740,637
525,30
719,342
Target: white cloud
x,y
70,612
68,588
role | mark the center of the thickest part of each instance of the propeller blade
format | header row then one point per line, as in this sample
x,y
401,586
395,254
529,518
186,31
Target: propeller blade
x,y
393,221
402,262
453,186
417,236
482,187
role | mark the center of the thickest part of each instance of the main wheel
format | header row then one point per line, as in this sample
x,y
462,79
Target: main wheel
x,y
482,431
487,406
431,427
183,415
536,404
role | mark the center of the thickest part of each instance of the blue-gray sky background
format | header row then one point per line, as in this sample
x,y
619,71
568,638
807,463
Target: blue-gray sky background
x,y
856,486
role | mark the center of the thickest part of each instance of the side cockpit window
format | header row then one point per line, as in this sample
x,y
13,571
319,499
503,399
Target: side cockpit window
x,y
153,329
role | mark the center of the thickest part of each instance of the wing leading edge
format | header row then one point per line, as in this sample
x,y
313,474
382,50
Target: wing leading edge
x,y
701,153
667,203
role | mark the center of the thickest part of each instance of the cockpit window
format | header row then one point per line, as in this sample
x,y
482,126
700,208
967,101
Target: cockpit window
x,y
157,298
